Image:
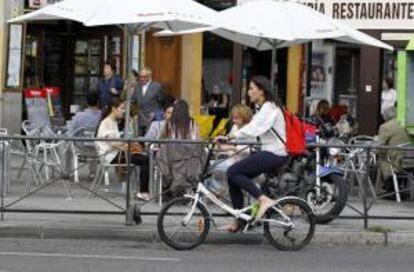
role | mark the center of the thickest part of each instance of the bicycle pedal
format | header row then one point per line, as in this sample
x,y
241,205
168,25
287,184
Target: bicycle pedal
x,y
252,224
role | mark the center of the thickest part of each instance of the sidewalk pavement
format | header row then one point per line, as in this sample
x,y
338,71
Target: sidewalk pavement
x,y
113,227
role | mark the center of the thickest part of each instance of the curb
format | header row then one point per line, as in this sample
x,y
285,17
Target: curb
x,y
149,235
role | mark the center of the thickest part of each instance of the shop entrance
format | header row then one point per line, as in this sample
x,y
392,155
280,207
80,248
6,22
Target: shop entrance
x,y
346,79
69,56
258,63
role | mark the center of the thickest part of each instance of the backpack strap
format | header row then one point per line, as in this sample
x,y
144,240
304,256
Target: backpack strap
x,y
278,136
282,109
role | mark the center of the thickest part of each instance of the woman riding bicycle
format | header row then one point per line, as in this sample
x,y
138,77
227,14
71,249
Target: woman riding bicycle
x,y
272,154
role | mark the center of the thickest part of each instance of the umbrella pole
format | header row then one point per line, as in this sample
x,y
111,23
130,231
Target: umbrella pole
x,y
272,68
130,89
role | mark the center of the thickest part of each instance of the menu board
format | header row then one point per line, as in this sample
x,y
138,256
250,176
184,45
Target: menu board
x,y
36,105
44,106
15,56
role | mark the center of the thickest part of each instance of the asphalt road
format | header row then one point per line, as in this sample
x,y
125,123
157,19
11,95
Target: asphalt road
x,y
18,255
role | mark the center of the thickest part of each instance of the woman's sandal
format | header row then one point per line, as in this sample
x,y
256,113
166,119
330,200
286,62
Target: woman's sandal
x,y
263,209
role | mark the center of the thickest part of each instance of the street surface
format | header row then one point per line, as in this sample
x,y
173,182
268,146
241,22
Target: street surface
x,y
18,255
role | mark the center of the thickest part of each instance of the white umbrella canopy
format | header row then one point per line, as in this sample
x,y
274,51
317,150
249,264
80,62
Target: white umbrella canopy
x,y
175,15
269,24
166,14
75,10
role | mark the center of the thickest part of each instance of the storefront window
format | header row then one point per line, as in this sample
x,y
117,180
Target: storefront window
x,y
217,69
321,75
31,67
346,78
89,63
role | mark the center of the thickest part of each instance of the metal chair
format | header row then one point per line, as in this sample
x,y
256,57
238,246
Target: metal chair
x,y
405,173
355,162
41,154
102,171
84,151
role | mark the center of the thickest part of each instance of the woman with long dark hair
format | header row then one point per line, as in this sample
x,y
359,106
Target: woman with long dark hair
x,y
181,125
267,121
180,163
111,151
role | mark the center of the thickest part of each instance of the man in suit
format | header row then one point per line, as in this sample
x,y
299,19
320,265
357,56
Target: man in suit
x,y
149,96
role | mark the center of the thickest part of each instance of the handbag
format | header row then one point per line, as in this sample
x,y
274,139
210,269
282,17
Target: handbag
x,y
134,149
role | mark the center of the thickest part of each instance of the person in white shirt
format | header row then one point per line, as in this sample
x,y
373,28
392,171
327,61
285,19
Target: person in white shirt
x,y
267,120
388,95
111,151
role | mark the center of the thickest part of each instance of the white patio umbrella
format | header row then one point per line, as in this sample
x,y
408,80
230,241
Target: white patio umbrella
x,y
174,15
166,14
271,24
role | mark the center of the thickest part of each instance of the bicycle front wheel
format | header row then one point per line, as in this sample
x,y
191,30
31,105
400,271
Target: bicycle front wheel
x,y
292,237
181,227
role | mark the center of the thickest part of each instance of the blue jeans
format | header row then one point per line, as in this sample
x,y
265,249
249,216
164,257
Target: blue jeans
x,y
241,173
221,165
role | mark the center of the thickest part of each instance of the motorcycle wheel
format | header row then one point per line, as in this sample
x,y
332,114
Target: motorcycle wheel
x,y
332,200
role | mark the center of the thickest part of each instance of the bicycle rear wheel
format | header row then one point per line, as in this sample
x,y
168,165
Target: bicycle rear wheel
x,y
178,234
290,238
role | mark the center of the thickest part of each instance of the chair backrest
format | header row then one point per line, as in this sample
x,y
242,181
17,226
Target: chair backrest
x,y
85,147
363,140
221,128
407,161
31,128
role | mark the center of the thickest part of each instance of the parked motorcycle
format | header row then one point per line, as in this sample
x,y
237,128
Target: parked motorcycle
x,y
323,187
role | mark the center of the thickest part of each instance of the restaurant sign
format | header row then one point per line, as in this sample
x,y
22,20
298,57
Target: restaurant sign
x,y
366,14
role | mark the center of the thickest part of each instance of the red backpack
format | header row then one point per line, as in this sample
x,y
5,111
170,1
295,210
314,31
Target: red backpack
x,y
295,133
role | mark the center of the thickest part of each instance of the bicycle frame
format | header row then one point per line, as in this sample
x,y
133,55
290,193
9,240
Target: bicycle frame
x,y
239,214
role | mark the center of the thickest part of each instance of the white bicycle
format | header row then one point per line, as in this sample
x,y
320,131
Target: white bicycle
x,y
184,222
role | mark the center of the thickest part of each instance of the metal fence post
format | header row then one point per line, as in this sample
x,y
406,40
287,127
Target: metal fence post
x,y
365,181
3,179
128,187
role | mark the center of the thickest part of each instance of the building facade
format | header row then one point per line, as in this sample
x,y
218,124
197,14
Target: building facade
x,y
349,74
70,56
352,75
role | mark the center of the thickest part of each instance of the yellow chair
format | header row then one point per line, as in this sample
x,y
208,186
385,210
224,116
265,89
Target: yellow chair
x,y
205,124
221,128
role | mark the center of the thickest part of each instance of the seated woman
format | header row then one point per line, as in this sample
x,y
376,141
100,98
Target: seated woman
x,y
178,162
111,151
323,119
154,132
218,104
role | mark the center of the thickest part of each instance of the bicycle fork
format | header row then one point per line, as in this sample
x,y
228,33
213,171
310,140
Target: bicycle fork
x,y
187,218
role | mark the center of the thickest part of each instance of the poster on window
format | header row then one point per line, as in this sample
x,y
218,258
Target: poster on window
x,y
318,75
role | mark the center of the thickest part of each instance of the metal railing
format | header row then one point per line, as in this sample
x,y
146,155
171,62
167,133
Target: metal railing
x,y
9,206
